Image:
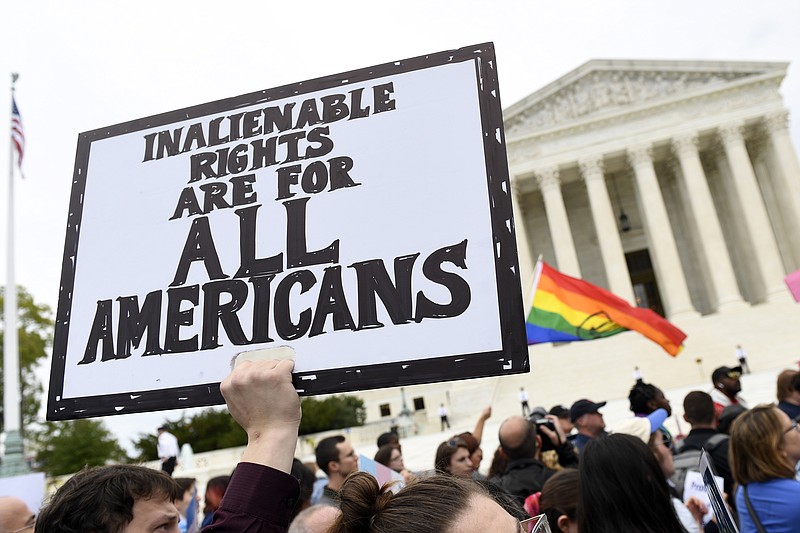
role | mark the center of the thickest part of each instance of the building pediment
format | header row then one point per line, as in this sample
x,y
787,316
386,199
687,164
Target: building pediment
x,y
604,88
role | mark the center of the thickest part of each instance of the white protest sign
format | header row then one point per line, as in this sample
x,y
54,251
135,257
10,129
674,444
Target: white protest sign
x,y
364,219
27,487
725,521
693,485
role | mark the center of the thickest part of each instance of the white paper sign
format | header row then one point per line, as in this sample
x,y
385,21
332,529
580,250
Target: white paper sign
x,y
364,219
693,486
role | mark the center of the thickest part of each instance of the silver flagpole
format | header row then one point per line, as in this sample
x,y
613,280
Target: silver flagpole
x,y
14,462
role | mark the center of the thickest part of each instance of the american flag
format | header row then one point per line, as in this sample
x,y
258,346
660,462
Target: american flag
x,y
17,133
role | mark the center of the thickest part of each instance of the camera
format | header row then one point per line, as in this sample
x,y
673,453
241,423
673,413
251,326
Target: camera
x,y
540,421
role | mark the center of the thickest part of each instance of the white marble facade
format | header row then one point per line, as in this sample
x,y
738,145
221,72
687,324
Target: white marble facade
x,y
696,155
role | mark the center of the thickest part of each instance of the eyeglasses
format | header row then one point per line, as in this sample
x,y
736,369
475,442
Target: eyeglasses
x,y
667,440
795,425
536,524
29,525
456,443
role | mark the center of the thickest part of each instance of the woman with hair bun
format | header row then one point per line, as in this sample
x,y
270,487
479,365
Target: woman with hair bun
x,y
765,447
437,504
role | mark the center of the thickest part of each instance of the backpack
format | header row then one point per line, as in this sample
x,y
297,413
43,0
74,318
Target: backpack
x,y
689,461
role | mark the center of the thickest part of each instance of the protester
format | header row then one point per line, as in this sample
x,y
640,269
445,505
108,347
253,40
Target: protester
x,y
562,413
390,455
452,457
15,515
789,393
168,450
337,458
622,488
587,418
306,477
647,430
698,409
215,491
645,398
473,441
559,501
390,437
727,387
741,356
728,416
521,445
765,448
187,505
112,498
315,519
430,505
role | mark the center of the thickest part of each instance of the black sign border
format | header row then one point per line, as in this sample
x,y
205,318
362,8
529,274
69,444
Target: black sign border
x,y
511,359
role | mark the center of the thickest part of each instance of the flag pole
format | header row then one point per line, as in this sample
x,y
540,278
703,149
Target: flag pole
x,y
14,462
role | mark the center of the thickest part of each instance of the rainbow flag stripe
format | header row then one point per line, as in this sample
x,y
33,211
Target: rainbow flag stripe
x,y
566,309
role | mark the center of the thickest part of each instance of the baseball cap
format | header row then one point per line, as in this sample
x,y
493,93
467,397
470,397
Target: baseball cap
x,y
642,426
583,407
724,371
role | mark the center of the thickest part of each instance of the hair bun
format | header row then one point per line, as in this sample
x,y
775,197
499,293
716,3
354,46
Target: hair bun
x,y
361,500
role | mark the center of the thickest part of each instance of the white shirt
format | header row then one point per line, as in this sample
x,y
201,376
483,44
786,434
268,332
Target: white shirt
x,y
167,445
442,411
523,396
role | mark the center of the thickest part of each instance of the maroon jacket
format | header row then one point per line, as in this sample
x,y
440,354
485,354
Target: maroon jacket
x,y
259,499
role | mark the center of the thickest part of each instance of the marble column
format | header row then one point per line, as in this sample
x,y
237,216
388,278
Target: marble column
x,y
564,246
716,261
753,213
788,179
661,241
605,223
525,258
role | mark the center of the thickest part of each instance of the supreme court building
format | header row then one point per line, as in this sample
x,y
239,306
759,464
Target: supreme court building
x,y
675,185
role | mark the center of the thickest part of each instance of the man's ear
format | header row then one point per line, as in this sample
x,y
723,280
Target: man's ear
x,y
333,466
684,417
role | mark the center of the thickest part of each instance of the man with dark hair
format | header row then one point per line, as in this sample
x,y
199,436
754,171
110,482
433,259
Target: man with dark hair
x,y
698,409
727,387
789,393
337,458
586,416
116,499
215,490
521,445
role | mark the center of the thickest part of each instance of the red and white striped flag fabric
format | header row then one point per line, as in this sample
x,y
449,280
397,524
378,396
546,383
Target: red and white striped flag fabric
x,y
17,132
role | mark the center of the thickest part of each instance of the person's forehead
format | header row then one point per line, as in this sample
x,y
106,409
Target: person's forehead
x,y
484,514
345,448
147,511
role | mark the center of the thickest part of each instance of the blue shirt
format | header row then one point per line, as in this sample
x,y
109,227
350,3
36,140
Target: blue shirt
x,y
776,503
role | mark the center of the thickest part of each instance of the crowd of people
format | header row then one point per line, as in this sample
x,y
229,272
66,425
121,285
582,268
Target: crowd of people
x,y
563,463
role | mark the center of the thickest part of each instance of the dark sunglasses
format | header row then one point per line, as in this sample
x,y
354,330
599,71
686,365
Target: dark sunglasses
x,y
456,443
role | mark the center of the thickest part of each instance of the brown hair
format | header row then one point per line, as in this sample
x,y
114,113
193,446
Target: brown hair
x,y
786,384
427,505
102,499
560,496
446,451
384,453
756,441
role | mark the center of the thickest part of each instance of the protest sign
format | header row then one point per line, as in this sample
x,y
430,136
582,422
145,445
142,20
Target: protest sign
x,y
693,486
725,522
364,219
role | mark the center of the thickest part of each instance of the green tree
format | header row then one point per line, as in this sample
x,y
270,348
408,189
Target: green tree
x,y
206,431
334,412
35,329
66,447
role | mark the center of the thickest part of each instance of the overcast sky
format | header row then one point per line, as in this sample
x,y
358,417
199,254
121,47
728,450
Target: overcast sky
x,y
89,64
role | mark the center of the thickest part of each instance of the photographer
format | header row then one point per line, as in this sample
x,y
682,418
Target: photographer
x,y
556,450
521,443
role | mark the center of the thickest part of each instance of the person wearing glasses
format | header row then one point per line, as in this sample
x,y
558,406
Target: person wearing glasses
x,y
727,387
389,455
15,516
452,457
765,448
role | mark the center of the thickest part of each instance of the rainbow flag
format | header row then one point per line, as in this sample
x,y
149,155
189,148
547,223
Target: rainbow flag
x,y
566,309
